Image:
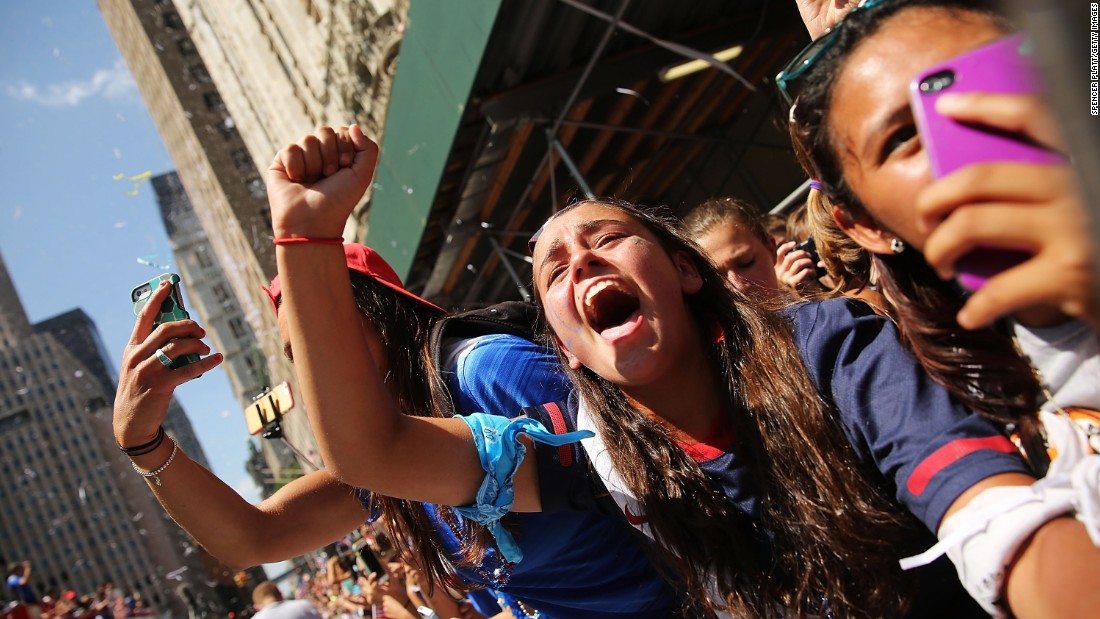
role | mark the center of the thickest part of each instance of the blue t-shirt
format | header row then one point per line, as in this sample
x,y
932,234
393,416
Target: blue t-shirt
x,y
576,564
21,591
927,447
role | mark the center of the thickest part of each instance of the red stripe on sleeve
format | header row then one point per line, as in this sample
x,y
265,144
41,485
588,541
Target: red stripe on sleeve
x,y
950,453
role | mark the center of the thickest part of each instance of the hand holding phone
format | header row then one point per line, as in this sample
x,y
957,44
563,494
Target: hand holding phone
x,y
1005,66
810,247
170,310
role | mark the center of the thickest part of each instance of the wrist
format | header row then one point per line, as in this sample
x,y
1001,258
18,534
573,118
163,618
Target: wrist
x,y
128,441
307,231
310,240
153,459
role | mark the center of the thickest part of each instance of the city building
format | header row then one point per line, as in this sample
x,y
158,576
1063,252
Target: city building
x,y
75,331
228,83
69,500
213,163
212,302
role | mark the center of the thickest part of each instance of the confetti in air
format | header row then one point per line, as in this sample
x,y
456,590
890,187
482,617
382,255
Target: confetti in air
x,y
148,261
136,179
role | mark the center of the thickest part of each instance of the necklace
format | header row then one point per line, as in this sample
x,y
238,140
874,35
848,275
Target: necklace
x,y
497,575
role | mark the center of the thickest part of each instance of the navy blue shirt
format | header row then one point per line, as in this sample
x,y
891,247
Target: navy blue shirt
x,y
926,447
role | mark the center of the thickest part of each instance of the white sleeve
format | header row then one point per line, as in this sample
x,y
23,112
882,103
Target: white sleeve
x,y
983,537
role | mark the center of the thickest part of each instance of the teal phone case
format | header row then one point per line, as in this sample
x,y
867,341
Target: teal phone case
x,y
170,310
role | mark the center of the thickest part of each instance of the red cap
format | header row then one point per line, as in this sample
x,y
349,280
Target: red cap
x,y
365,260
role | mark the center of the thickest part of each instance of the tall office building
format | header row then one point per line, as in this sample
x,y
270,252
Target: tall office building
x,y
229,82
69,500
283,68
214,166
75,331
213,303
207,292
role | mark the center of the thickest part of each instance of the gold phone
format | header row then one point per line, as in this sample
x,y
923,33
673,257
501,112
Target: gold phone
x,y
268,406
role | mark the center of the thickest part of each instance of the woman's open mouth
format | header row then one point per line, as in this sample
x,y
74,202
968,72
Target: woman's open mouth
x,y
611,309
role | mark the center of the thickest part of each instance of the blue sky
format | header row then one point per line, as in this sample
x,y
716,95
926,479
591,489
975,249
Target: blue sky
x,y
71,120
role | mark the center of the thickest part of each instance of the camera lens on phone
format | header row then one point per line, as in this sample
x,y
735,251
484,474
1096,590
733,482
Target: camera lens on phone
x,y
937,81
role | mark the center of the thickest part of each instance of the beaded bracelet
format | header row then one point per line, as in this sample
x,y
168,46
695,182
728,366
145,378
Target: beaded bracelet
x,y
144,448
287,240
156,474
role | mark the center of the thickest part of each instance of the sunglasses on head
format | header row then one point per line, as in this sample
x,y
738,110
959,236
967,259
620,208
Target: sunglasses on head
x,y
787,79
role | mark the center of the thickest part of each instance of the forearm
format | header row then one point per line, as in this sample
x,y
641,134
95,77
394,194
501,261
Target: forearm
x,y
364,438
1056,574
302,516
349,408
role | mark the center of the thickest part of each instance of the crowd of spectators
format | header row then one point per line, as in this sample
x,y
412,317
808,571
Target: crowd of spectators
x,y
106,602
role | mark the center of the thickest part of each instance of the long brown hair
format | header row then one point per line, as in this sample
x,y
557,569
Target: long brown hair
x,y
834,535
981,368
403,325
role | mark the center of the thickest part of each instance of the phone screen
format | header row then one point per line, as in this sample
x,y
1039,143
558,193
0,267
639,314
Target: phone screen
x,y
269,406
371,560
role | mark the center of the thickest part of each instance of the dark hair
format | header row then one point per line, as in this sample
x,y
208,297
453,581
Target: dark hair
x,y
981,368
800,462
403,325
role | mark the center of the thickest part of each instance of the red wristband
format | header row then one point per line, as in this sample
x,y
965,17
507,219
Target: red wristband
x,y
305,239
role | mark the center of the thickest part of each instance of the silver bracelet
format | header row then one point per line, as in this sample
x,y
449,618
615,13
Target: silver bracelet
x,y
155,474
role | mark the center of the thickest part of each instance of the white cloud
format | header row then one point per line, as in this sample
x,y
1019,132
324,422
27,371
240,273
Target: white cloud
x,y
109,83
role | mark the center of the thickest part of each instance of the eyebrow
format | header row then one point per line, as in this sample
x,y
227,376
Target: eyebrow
x,y
584,227
289,354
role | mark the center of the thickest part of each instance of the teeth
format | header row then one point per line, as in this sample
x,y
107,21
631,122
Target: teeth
x,y
595,290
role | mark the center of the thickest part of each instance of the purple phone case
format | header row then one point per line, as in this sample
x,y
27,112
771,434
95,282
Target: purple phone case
x,y
1006,67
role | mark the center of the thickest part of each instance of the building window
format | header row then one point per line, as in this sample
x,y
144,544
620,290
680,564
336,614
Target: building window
x,y
172,20
213,102
203,259
236,325
221,293
199,73
186,47
257,188
242,159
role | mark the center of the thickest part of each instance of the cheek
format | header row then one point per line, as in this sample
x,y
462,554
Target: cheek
x,y
561,315
894,198
739,283
763,274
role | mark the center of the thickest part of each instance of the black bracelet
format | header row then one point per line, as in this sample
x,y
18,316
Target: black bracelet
x,y
145,448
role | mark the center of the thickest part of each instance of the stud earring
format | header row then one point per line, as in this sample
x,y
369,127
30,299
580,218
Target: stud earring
x,y
897,245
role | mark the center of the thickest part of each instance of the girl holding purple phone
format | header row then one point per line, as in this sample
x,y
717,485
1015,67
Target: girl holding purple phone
x,y
853,127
